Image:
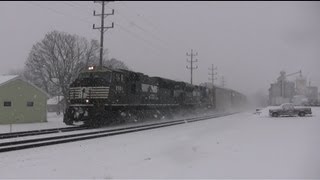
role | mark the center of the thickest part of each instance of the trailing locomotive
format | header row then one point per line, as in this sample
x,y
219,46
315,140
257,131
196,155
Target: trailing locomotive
x,y
102,95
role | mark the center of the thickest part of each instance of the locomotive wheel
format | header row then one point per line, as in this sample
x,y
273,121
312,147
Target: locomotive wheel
x,y
134,118
157,114
275,114
96,121
122,117
301,114
68,122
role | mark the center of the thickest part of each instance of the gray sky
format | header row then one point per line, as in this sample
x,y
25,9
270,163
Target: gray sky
x,y
249,42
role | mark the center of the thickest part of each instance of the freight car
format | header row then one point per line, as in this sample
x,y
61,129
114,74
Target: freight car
x,y
102,95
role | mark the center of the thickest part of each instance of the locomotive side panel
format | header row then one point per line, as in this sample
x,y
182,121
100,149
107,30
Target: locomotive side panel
x,y
166,91
223,99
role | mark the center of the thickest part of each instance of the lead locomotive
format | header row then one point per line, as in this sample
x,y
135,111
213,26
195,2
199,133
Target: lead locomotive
x,y
102,95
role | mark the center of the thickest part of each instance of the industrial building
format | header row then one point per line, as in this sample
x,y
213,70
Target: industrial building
x,y
21,101
284,91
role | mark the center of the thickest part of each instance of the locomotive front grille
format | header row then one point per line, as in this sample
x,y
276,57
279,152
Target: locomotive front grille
x,y
89,92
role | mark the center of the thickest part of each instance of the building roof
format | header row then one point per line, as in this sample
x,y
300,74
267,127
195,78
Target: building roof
x,y
54,100
4,79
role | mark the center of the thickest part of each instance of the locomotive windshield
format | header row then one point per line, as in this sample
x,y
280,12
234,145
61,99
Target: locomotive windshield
x,y
100,75
93,79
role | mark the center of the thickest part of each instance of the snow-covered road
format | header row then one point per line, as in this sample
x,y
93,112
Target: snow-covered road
x,y
239,146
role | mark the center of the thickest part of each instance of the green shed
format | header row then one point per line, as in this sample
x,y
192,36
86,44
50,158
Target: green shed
x,y
21,101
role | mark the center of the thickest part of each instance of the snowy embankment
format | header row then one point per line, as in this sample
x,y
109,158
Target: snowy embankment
x,y
244,145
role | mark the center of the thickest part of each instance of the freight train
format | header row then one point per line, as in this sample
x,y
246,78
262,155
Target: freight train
x,y
101,95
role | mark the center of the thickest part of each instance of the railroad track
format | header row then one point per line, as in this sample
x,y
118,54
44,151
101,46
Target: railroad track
x,y
32,143
40,132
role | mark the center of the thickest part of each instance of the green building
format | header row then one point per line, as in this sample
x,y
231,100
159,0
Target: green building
x,y
21,101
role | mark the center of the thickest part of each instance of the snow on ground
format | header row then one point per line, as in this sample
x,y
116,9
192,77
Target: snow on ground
x,y
244,145
54,121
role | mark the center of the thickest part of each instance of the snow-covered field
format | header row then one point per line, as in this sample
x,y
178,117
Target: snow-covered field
x,y
54,121
244,145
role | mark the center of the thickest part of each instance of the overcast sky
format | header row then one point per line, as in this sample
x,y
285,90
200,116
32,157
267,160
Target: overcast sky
x,y
249,42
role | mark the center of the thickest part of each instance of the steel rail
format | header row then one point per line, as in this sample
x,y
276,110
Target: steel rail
x,y
40,132
32,143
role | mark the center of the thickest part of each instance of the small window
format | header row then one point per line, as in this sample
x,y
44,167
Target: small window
x,y
7,103
133,88
30,103
121,77
118,78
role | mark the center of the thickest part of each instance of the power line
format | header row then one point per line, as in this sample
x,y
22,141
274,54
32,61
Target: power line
x,y
131,22
137,37
66,2
150,22
139,15
87,21
58,12
150,33
79,6
122,28
145,30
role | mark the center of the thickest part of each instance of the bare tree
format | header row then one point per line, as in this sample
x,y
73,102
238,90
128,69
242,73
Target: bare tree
x,y
115,64
55,62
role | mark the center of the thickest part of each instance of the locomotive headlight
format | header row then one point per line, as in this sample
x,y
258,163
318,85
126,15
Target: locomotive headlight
x,y
87,100
90,67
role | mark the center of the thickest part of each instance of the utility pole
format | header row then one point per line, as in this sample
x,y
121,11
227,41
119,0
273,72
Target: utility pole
x,y
223,82
102,28
191,63
213,74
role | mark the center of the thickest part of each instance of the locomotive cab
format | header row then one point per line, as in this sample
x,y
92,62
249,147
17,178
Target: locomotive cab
x,y
94,78
91,84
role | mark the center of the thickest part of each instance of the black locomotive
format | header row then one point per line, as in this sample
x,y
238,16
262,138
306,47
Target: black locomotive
x,y
102,95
